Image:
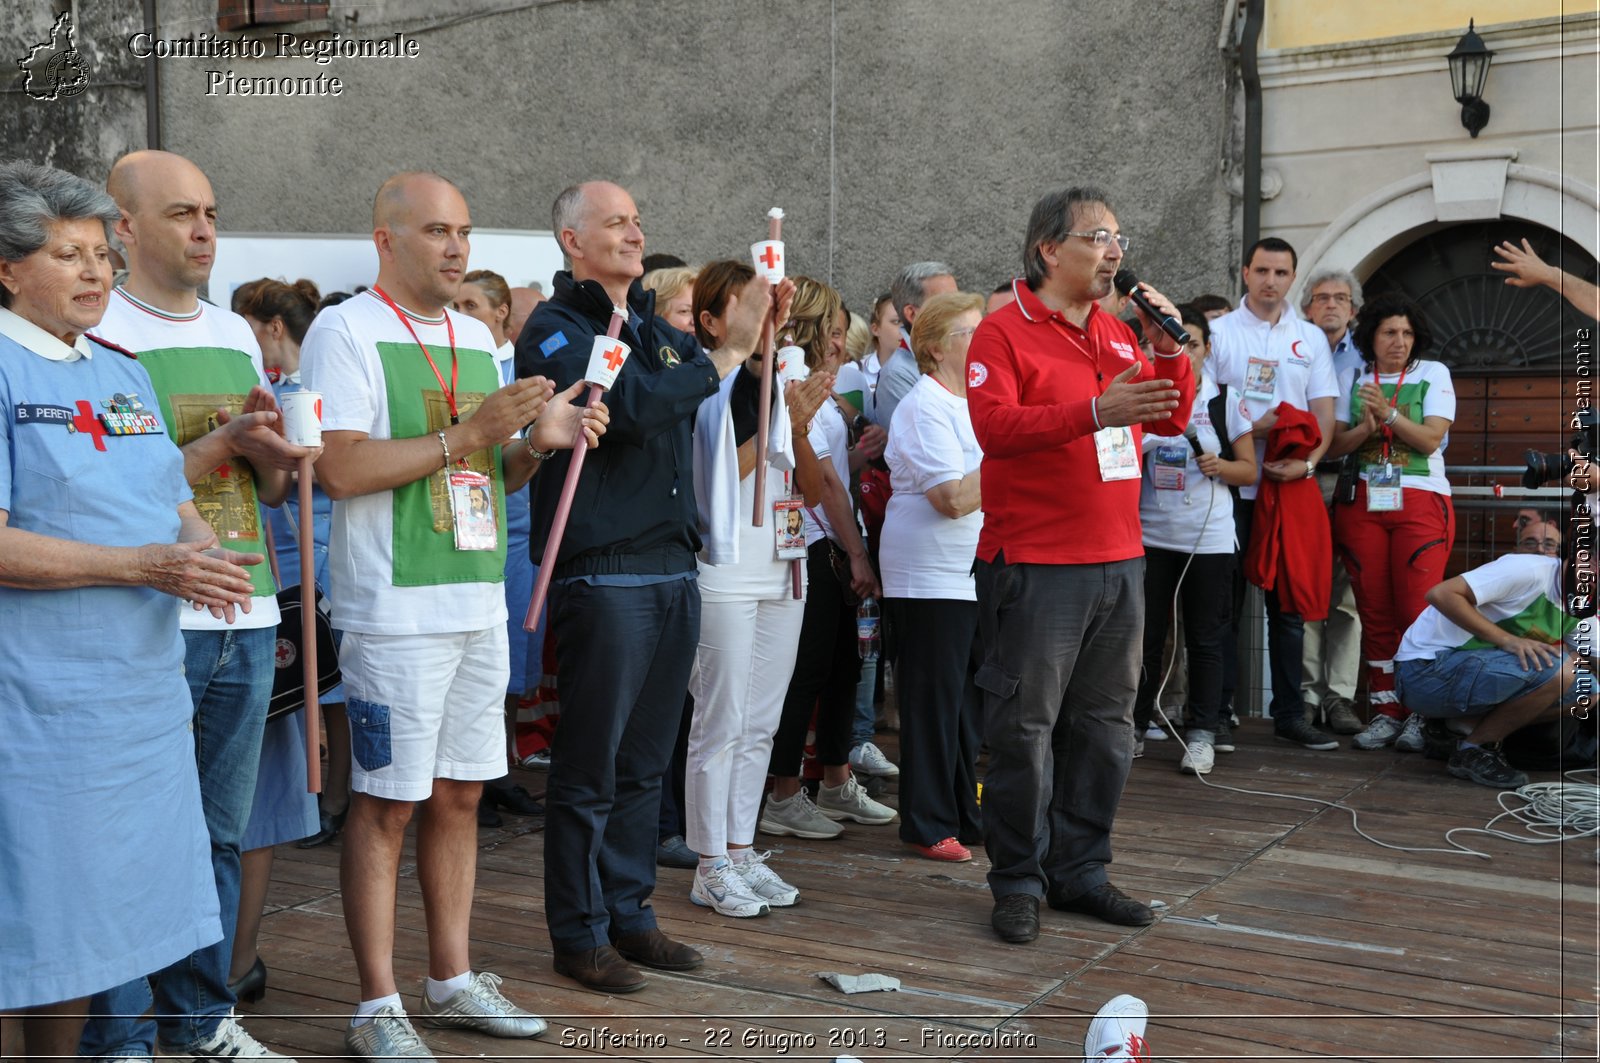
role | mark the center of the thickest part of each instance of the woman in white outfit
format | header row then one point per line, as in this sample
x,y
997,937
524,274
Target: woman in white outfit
x,y
750,616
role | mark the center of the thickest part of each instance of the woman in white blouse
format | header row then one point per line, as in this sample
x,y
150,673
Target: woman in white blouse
x,y
930,535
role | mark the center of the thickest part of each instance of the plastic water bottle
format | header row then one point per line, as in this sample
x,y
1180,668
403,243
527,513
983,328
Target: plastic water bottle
x,y
868,640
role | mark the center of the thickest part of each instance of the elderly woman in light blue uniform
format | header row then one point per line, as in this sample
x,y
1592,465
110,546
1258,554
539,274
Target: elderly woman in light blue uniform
x,y
105,869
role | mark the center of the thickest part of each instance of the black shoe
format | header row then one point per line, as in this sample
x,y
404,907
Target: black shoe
x,y
1486,765
329,826
252,985
487,816
1301,733
1222,740
1437,741
1107,903
675,852
503,794
1016,918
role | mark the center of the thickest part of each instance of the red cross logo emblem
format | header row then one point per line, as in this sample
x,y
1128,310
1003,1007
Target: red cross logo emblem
x,y
614,356
770,257
86,421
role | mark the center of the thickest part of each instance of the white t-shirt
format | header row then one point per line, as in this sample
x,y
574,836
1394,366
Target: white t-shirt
x,y
926,554
758,574
1427,391
340,359
1179,508
830,441
1268,364
142,328
1520,593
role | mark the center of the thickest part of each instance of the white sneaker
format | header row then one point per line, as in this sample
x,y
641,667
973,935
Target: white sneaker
x,y
1116,1033
797,816
1198,758
1381,731
229,1042
764,882
387,1038
1154,733
482,1007
868,759
722,889
539,761
850,801
1410,740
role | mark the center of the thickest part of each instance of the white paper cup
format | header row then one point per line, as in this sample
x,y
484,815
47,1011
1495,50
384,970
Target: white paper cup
x,y
767,256
302,418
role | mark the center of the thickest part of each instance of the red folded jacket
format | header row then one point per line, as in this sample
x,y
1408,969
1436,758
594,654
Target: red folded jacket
x,y
1291,544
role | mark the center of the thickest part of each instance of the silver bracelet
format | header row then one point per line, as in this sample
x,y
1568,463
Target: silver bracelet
x,y
445,444
1394,413
537,455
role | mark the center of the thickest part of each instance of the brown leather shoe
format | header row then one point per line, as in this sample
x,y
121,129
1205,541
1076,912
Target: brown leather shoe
x,y
654,949
601,969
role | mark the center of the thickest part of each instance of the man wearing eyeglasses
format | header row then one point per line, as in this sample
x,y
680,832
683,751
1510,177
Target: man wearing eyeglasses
x,y
1332,656
1542,537
1059,393
1332,300
1272,356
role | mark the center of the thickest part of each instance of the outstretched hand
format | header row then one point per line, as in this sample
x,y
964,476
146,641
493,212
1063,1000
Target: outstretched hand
x,y
1127,403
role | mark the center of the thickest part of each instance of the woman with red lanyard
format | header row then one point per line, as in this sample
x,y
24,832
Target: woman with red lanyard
x,y
1395,535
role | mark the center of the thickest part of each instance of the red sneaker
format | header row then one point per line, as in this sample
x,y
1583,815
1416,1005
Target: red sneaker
x,y
949,849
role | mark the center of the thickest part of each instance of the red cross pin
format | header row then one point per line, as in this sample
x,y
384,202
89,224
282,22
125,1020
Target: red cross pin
x,y
86,421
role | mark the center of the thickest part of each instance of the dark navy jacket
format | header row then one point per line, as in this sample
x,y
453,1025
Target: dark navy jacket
x,y
634,511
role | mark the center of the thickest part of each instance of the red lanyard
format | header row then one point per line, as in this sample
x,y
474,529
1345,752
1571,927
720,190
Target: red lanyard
x,y
455,367
1394,401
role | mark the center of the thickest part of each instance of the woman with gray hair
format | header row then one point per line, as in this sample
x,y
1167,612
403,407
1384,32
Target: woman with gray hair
x,y
105,872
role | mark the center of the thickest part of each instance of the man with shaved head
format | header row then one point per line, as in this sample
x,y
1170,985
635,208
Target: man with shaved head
x,y
208,376
624,603
523,300
418,433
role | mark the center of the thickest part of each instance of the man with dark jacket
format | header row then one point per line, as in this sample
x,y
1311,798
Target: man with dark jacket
x,y
624,603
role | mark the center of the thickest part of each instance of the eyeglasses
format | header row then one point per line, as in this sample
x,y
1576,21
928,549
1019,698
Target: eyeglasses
x,y
1103,238
956,333
1330,297
1548,547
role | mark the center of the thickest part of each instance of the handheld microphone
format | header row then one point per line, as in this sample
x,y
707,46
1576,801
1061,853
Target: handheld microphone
x,y
1128,285
1193,436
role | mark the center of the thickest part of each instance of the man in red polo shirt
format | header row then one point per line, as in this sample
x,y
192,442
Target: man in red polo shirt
x,y
1058,391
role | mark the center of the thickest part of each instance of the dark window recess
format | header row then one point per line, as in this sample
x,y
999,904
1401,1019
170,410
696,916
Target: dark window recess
x,y
241,14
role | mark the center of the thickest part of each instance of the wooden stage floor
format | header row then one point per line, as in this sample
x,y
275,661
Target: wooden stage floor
x,y
1285,936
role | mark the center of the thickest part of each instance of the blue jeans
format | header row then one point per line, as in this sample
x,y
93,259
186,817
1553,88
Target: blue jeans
x,y
230,680
624,664
865,727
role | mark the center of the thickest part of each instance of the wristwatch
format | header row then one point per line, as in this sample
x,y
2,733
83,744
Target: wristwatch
x,y
1311,469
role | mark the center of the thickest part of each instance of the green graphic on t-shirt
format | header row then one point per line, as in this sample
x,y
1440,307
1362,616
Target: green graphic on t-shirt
x,y
191,383
1541,621
1410,407
425,553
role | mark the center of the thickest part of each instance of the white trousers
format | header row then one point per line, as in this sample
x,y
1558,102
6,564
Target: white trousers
x,y
741,673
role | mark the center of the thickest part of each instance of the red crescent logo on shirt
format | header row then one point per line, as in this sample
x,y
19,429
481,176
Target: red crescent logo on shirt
x,y
977,373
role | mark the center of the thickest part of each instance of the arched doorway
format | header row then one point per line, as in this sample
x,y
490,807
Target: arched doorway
x,y
1511,352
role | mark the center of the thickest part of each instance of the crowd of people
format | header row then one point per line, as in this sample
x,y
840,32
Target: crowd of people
x,y
1050,497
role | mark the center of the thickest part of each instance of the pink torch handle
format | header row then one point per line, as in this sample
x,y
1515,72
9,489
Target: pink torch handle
x,y
569,488
308,632
764,409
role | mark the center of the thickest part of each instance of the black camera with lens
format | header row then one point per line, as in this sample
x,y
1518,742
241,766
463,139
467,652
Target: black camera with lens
x,y
1543,468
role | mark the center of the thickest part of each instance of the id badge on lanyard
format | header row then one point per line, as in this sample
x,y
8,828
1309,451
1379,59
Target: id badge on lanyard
x,y
473,512
789,526
1119,459
1261,380
1384,492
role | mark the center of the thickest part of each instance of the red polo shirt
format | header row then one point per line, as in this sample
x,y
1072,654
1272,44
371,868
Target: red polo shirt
x,y
1032,378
